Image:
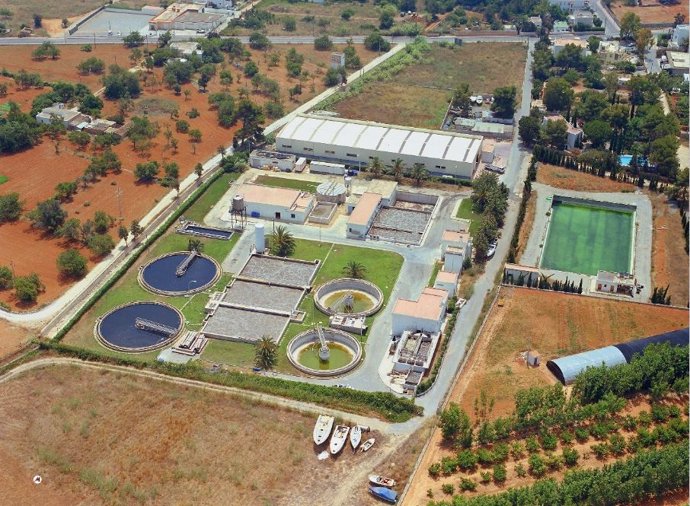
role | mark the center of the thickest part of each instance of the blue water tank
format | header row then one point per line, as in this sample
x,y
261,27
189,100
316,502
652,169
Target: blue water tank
x,y
256,214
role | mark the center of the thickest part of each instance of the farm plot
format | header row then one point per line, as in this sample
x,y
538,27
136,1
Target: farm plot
x,y
652,12
322,19
418,95
104,437
34,173
552,324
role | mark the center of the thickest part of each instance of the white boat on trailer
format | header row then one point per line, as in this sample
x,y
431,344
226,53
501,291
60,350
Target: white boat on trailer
x,y
322,429
355,436
368,444
376,479
339,438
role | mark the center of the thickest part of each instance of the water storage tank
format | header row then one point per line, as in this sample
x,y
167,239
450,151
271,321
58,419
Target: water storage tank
x,y
331,192
348,185
260,237
238,203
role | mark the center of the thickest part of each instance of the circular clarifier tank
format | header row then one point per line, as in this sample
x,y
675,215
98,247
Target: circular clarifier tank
x,y
179,273
344,352
141,326
356,297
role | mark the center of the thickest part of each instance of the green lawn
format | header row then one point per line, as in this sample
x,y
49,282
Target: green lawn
x,y
282,182
465,212
3,179
434,273
127,289
586,239
382,267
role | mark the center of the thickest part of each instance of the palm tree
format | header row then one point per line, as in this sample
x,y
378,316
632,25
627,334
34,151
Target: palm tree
x,y
195,245
419,173
354,269
398,169
265,353
376,167
282,242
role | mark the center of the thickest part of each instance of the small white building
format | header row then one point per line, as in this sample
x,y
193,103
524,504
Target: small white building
x,y
615,282
187,48
574,134
281,204
447,280
570,5
425,314
536,21
488,147
70,117
678,63
316,167
560,27
456,239
337,60
363,215
679,36
453,259
262,159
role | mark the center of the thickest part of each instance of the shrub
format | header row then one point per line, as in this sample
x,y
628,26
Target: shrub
x,y
537,467
71,264
570,456
182,126
448,488
10,207
582,434
485,477
27,288
467,460
485,457
601,450
101,244
448,465
554,462
567,437
629,423
617,444
549,442
517,450
323,43
501,452
5,277
500,473
435,470
520,470
532,444
468,485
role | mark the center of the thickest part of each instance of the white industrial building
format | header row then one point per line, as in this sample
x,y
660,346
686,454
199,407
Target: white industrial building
x,y
356,143
262,159
282,204
447,280
679,37
425,314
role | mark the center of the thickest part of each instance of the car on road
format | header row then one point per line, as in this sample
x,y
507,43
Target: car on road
x,y
492,249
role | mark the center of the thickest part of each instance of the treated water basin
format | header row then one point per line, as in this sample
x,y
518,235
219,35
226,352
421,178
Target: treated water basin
x,y
339,357
361,301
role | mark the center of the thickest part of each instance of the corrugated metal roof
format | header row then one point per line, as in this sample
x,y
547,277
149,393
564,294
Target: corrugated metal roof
x,y
674,338
390,139
567,368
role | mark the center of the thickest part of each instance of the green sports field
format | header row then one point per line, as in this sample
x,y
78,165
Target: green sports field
x,y
586,239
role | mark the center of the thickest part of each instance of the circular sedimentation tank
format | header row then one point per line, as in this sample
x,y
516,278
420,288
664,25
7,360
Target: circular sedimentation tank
x,y
161,275
345,353
356,297
139,326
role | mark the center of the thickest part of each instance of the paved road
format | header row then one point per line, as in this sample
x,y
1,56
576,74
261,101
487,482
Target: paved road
x,y
611,28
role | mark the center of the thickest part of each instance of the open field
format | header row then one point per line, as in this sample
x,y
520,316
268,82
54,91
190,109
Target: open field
x,y
418,96
669,259
527,224
567,179
35,172
24,10
319,19
105,437
555,324
283,182
651,12
382,268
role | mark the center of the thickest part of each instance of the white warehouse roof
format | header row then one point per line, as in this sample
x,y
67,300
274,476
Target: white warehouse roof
x,y
392,139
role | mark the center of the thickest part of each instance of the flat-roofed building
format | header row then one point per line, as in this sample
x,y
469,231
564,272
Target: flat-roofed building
x,y
70,118
281,204
424,314
456,239
446,280
678,63
356,143
363,215
186,16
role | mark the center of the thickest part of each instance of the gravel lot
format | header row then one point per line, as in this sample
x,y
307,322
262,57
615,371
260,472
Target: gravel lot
x,y
249,326
259,295
277,270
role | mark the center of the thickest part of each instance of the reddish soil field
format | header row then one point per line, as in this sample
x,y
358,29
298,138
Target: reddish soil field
x,y
35,172
651,11
12,338
15,58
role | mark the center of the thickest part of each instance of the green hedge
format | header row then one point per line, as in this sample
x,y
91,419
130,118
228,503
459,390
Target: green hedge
x,y
384,404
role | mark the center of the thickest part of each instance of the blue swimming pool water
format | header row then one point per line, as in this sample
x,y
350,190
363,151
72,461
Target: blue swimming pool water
x,y
625,160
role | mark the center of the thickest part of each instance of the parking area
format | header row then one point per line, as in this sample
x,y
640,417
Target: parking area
x,y
280,270
263,296
116,21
